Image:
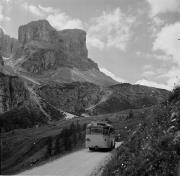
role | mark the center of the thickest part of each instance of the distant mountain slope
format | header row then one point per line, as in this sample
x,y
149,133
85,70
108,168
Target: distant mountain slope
x,y
127,96
90,99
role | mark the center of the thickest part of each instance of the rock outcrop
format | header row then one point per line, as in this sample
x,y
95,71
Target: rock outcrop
x,y
37,30
12,92
8,45
44,50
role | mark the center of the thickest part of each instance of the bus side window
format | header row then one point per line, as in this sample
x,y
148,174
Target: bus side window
x,y
111,131
105,130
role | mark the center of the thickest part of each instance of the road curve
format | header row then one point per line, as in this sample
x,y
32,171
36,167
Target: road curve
x,y
79,163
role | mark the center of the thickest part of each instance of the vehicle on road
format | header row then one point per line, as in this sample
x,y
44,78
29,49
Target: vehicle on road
x,y
100,135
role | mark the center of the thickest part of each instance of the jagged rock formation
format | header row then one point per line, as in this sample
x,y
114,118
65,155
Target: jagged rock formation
x,y
12,92
55,55
39,31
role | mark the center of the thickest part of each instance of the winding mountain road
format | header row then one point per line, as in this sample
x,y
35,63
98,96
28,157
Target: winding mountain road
x,y
79,163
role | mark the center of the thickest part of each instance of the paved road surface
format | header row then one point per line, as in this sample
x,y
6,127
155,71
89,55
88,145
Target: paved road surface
x,y
80,163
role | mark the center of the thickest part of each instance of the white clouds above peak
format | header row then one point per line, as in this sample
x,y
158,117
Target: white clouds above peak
x,y
111,29
48,9
63,21
58,19
163,6
35,10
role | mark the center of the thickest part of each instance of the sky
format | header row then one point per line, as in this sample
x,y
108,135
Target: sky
x,y
133,41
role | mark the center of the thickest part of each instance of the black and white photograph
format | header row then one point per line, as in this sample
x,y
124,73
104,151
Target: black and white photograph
x,y
90,87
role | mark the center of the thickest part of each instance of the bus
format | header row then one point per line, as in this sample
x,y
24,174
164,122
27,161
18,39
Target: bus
x,y
100,135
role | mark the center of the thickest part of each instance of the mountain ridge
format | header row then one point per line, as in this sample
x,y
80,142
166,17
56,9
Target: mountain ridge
x,y
42,49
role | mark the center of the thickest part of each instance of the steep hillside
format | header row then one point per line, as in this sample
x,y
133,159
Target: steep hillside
x,y
127,96
71,97
152,146
20,107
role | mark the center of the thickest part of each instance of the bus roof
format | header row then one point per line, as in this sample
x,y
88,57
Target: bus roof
x,y
99,123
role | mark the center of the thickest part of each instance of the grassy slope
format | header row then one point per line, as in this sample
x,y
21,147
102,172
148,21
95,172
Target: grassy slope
x,y
149,148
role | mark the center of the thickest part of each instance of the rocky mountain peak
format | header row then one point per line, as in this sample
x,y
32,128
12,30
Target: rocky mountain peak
x,y
39,30
55,55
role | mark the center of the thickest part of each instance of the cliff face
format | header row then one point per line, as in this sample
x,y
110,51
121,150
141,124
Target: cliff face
x,y
12,92
71,97
45,48
20,107
40,31
8,45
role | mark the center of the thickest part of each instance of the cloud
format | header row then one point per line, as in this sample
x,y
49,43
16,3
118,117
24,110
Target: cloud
x,y
35,10
111,29
95,42
112,75
147,67
153,84
48,9
3,17
163,6
167,41
63,21
148,73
